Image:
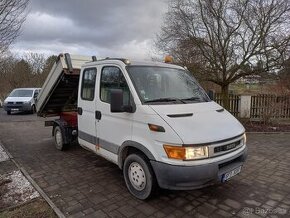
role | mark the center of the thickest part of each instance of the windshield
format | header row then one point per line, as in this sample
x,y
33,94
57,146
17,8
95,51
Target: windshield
x,y
21,93
160,85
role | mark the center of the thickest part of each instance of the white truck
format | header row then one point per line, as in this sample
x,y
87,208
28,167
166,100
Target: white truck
x,y
151,119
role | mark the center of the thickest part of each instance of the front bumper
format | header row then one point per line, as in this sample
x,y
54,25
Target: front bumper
x,y
193,177
17,107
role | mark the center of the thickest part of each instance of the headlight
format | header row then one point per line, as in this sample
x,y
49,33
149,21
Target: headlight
x,y
186,153
244,140
26,102
192,153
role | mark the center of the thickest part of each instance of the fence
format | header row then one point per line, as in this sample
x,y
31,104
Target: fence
x,y
234,102
258,106
270,106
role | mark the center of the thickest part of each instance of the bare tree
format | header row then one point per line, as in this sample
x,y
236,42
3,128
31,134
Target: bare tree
x,y
227,39
12,16
30,71
36,60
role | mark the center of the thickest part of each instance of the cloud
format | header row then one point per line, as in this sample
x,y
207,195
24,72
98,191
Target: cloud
x,y
109,28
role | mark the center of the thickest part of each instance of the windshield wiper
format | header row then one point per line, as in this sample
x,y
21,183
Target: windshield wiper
x,y
190,99
165,100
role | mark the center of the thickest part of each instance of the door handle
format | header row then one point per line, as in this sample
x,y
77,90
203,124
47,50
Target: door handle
x,y
80,111
98,115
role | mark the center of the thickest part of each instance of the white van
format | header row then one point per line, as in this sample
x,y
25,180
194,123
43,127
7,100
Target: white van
x,y
21,99
151,119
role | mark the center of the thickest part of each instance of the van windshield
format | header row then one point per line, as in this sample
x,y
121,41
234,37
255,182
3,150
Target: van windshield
x,y
21,93
160,85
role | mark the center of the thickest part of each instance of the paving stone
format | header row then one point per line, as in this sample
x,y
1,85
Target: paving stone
x,y
115,214
206,209
281,211
77,215
127,211
72,203
253,202
88,211
275,196
159,214
146,209
223,213
232,203
75,208
97,214
224,207
271,203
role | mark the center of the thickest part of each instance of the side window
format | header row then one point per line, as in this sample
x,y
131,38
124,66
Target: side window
x,y
88,84
113,78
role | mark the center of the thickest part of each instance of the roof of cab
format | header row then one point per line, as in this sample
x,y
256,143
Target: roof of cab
x,y
28,88
131,63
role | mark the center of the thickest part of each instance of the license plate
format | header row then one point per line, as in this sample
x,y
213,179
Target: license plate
x,y
230,174
14,109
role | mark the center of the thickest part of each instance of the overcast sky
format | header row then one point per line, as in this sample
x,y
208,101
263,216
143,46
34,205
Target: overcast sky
x,y
123,28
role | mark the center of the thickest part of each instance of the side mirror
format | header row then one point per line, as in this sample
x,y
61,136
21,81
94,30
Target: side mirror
x,y
117,102
210,94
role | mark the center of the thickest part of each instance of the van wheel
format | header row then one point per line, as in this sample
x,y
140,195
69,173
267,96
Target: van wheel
x,y
139,176
58,139
33,109
8,112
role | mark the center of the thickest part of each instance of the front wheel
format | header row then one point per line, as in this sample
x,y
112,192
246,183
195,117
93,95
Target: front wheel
x,y
33,109
58,139
8,112
139,176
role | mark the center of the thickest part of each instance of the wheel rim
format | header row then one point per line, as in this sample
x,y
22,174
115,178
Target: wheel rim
x,y
58,139
137,176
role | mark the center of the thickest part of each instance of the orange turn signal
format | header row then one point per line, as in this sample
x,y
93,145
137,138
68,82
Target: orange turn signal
x,y
175,152
156,128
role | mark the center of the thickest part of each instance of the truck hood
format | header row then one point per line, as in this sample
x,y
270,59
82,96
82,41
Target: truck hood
x,y
14,99
200,122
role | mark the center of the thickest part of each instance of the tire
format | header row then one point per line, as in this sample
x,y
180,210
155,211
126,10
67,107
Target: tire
x,y
139,176
58,139
8,112
33,109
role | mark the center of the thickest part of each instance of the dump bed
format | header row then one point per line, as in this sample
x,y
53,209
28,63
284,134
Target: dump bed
x,y
60,89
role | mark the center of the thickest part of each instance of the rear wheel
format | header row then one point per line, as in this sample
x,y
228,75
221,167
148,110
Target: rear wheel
x,y
58,139
139,176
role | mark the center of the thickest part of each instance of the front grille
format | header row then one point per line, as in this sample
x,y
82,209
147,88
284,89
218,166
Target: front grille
x,y
16,106
227,147
14,103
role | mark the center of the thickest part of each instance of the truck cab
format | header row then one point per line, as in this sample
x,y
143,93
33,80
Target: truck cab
x,y
151,119
157,124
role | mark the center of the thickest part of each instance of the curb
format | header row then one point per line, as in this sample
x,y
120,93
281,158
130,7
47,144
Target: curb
x,y
34,184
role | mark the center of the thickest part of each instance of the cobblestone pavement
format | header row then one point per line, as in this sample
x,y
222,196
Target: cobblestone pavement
x,y
83,184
